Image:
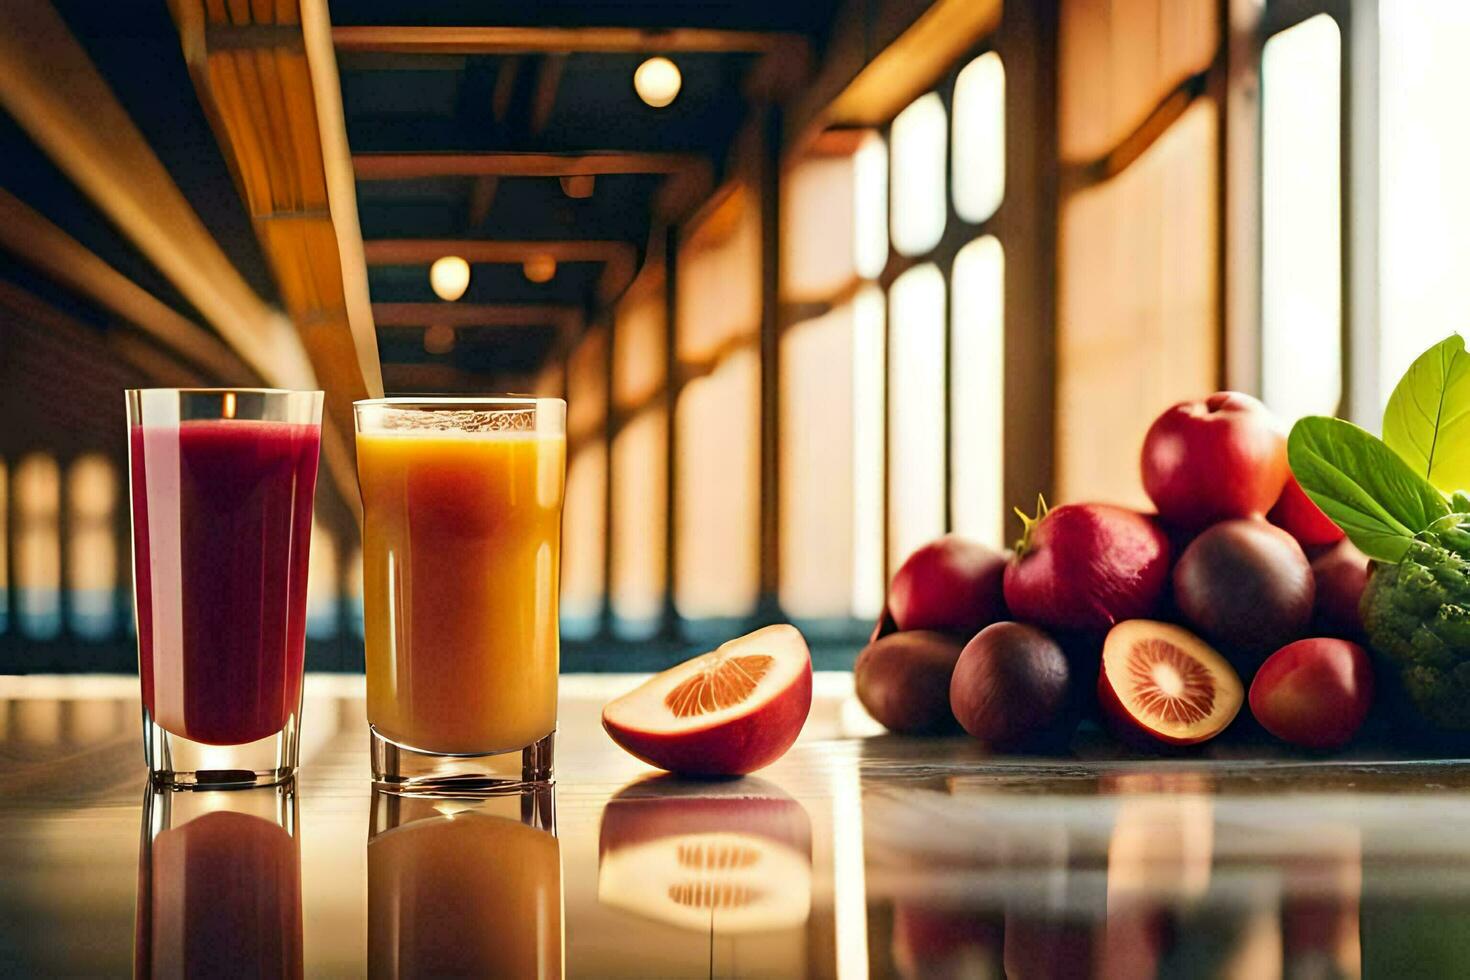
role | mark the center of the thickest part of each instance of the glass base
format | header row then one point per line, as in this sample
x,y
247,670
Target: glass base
x,y
175,762
403,769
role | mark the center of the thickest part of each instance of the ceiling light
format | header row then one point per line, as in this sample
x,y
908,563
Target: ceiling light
x,y
539,268
450,277
657,82
439,339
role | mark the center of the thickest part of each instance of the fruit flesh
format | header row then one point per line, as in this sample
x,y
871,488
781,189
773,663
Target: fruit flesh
x,y
1164,681
727,712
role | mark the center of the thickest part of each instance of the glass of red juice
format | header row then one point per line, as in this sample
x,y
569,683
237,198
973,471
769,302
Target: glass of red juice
x,y
222,487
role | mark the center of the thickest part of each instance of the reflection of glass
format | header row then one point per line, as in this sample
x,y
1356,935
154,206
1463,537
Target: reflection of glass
x,y
462,503
219,885
724,859
461,887
222,485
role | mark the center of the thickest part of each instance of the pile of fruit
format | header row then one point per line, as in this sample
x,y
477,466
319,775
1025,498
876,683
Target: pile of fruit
x,y
1238,582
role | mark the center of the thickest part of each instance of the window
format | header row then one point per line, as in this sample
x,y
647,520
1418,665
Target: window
x,y
870,207
979,138
717,513
919,137
91,571
584,514
640,454
322,585
1424,198
1301,226
4,549
38,546
916,411
977,392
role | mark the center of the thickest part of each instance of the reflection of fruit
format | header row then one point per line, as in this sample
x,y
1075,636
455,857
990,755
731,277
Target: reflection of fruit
x,y
1206,461
722,858
950,584
1295,513
1247,587
903,681
1314,693
1087,566
1341,575
723,713
1050,948
1160,680
942,943
1010,683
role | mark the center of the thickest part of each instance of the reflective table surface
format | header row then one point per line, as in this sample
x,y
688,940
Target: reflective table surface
x,y
858,854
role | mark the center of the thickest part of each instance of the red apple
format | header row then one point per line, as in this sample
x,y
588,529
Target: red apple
x,y
1295,513
1314,693
1205,461
1341,574
1086,567
723,713
951,585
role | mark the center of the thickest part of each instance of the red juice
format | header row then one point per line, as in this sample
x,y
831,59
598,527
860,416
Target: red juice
x,y
221,529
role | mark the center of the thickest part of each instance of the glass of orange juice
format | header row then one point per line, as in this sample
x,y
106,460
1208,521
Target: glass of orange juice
x,y
462,503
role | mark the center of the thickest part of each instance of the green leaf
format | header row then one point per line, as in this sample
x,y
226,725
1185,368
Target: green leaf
x,y
1361,484
1427,421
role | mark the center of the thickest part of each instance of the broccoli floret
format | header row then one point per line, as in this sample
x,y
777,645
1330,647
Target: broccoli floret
x,y
1417,615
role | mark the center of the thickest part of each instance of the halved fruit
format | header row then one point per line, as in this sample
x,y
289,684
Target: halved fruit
x,y
1162,681
724,713
724,858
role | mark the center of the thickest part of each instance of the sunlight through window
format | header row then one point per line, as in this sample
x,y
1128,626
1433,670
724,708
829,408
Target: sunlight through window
x,y
980,138
916,374
1301,227
38,546
91,573
917,203
977,392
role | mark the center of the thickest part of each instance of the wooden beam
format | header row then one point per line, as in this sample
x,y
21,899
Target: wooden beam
x,y
408,166
273,98
33,239
50,86
157,365
476,314
531,40
482,197
881,58
618,258
548,80
505,87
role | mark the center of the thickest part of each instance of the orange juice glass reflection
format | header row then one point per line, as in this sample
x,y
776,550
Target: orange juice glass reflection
x,y
460,888
462,508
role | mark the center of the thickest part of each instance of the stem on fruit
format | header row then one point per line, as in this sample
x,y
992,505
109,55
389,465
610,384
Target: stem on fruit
x,y
1028,522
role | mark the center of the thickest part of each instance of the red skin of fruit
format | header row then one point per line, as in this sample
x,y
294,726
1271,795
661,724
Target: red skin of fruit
x,y
1314,693
1010,682
733,747
951,585
1205,461
1295,514
1341,574
1088,566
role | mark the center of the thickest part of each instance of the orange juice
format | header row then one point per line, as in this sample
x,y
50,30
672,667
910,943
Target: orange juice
x,y
461,551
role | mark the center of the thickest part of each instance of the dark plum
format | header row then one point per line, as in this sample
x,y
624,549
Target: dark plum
x,y
903,680
1341,575
1245,585
1011,682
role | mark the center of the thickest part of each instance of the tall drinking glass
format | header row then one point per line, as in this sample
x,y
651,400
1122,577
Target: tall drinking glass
x,y
222,486
462,503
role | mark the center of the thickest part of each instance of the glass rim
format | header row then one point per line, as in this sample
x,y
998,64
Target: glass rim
x,y
443,401
226,391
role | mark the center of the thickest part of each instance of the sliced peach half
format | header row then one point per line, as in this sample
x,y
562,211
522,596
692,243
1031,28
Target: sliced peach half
x,y
724,713
1164,682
